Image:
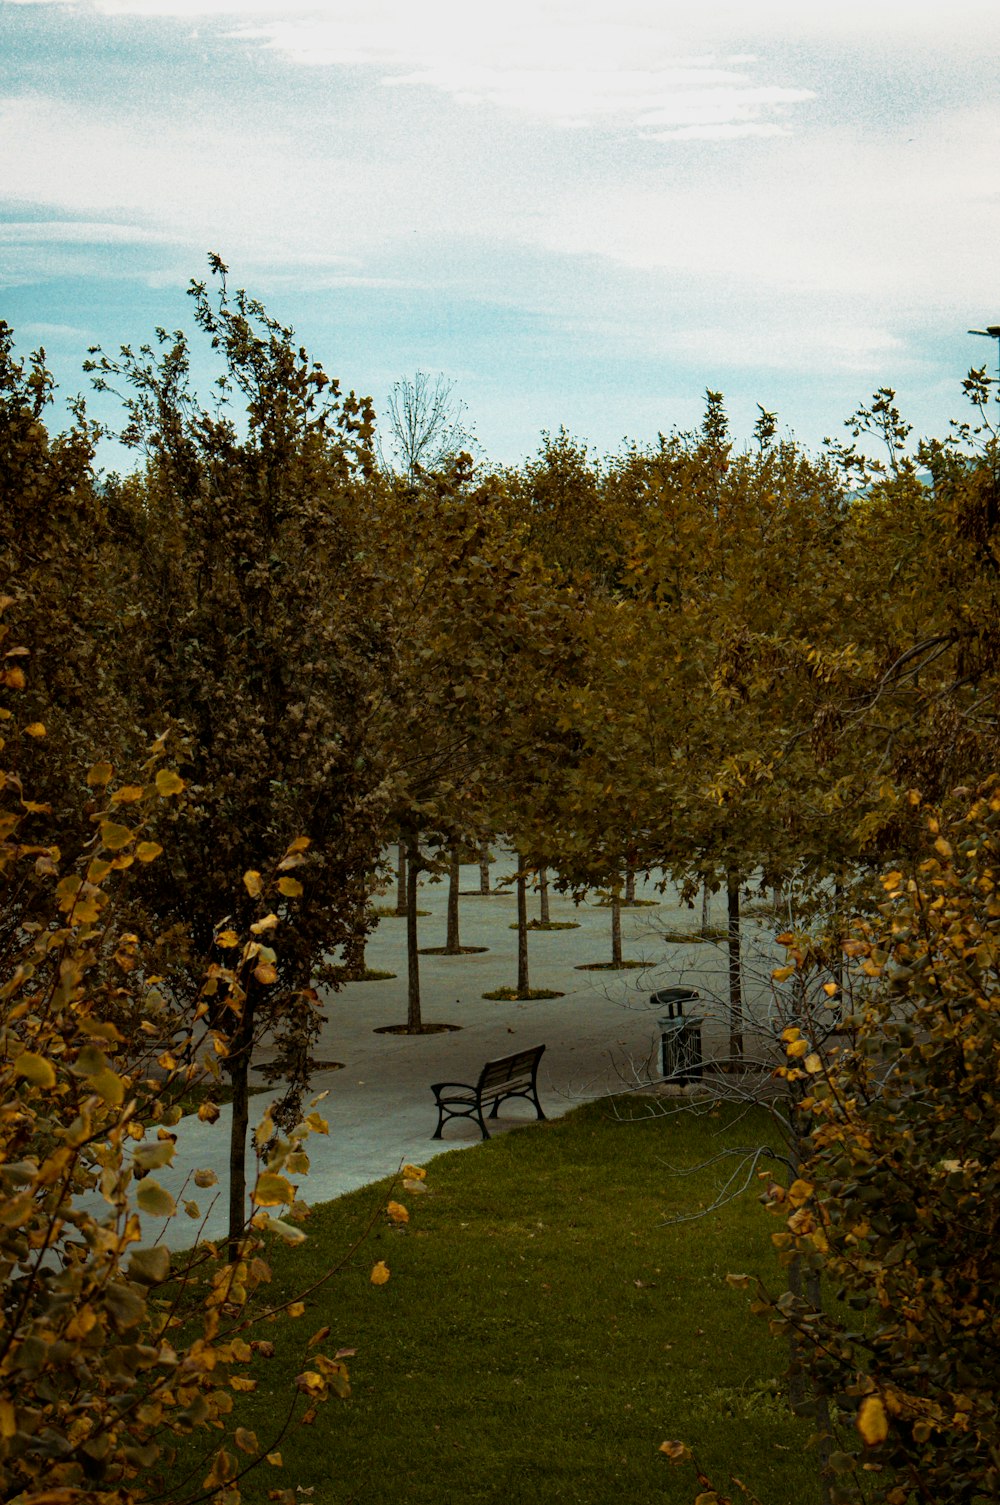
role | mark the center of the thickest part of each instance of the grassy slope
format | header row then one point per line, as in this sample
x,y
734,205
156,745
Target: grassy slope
x,y
544,1330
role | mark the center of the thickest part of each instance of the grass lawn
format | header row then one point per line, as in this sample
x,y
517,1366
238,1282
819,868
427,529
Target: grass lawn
x,y
543,1330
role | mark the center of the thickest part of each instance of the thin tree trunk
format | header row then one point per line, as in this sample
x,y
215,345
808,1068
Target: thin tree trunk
x,y
735,969
630,885
705,897
616,927
238,1069
355,964
824,1424
796,1377
401,880
484,868
453,945
522,928
543,896
838,933
354,946
413,1019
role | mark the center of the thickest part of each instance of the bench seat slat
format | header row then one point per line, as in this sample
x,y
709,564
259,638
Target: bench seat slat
x,y
510,1076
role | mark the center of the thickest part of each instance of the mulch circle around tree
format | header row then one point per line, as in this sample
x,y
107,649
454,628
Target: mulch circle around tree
x,y
610,966
691,937
425,1029
370,974
511,995
316,1066
629,903
443,950
550,925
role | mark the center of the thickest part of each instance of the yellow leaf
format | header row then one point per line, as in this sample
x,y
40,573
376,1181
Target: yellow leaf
x,y
246,1441
14,678
205,1178
781,973
274,1459
296,1308
208,1113
290,887
380,1273
265,973
261,927
272,1190
872,1423
113,836
397,1212
243,1386
100,774
168,782
414,1172
813,1063
252,883
799,1192
798,1048
227,938
34,729
128,794
830,989
677,1452
148,851
300,844
35,1069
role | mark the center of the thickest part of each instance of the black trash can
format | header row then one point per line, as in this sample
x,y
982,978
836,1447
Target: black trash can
x,y
680,1035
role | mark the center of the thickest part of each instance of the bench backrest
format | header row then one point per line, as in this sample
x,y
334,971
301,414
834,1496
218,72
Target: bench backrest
x,y
511,1071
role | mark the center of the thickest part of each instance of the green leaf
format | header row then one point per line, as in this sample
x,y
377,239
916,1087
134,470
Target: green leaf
x,y
156,1200
150,1267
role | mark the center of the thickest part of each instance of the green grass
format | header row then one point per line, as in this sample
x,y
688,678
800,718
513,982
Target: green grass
x,y
543,1330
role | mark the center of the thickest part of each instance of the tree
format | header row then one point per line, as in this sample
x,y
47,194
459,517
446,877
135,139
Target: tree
x,y
898,1197
263,650
426,426
111,1349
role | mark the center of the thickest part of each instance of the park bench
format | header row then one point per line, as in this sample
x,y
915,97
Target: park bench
x,y
507,1077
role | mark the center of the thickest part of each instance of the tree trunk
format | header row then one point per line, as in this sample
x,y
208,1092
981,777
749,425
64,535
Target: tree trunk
x,y
401,880
838,936
413,1019
824,1422
543,896
484,868
630,885
705,898
453,945
735,968
354,946
522,928
238,1070
355,964
616,927
796,1376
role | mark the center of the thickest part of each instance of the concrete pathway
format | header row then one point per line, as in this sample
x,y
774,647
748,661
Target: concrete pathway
x,y
601,1036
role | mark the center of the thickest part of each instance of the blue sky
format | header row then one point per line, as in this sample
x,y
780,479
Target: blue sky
x,y
583,214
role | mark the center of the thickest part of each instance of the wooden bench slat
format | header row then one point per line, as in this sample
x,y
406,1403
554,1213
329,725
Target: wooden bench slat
x,y
510,1076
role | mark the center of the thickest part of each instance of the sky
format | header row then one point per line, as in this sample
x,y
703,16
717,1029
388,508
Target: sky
x,y
583,214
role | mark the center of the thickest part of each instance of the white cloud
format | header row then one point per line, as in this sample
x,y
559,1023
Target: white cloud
x,y
163,178
75,232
